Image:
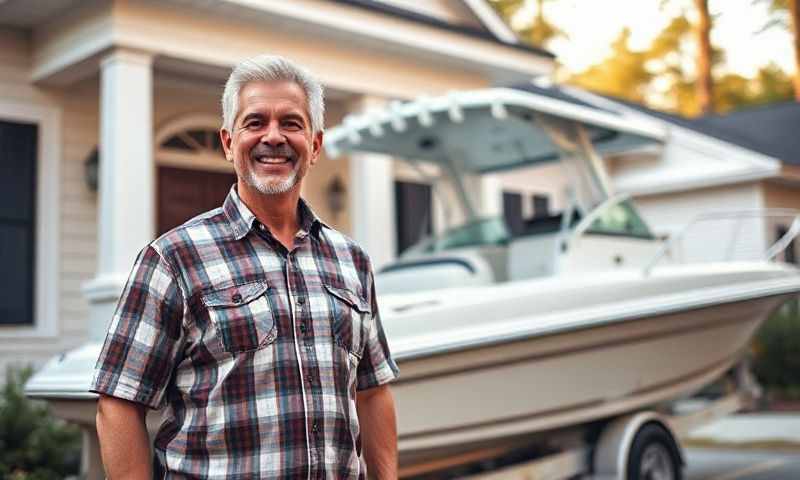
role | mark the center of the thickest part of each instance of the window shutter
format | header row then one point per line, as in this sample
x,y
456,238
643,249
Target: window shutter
x,y
18,144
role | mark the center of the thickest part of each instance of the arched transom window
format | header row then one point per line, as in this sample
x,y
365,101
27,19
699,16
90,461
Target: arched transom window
x,y
191,141
199,140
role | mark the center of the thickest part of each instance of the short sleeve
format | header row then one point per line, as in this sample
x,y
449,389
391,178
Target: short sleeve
x,y
376,366
145,337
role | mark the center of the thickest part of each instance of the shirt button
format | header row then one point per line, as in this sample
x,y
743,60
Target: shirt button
x,y
314,427
236,298
301,300
303,327
310,379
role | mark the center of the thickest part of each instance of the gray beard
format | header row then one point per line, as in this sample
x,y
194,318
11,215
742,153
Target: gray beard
x,y
271,185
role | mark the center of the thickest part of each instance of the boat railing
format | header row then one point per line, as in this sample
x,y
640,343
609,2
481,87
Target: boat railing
x,y
744,241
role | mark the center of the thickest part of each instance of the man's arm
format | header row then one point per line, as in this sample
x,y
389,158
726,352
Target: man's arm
x,y
124,443
378,423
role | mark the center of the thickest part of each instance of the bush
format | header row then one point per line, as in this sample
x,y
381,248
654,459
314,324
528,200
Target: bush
x,y
34,445
776,360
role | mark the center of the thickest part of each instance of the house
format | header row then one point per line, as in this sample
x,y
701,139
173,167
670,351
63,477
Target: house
x,y
109,112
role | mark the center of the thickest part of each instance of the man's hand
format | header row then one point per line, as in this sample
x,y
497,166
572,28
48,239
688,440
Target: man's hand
x,y
378,423
124,444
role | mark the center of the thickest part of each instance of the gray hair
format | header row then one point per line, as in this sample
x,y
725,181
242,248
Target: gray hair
x,y
269,68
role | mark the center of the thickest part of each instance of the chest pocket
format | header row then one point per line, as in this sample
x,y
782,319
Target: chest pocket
x,y
351,315
242,316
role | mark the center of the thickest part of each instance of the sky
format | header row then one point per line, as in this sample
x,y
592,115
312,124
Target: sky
x,y
593,24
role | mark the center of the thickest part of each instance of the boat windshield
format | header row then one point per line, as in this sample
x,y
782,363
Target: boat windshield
x,y
481,232
621,219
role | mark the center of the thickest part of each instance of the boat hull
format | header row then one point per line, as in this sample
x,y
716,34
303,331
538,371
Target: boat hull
x,y
477,397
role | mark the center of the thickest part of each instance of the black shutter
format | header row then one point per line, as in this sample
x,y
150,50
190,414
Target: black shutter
x,y
413,213
512,212
17,221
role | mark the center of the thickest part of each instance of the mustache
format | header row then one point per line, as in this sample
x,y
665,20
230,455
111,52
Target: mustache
x,y
264,150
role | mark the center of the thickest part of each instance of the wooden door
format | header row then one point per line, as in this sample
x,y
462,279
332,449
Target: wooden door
x,y
183,194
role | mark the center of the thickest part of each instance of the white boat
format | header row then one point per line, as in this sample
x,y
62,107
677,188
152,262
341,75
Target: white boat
x,y
587,317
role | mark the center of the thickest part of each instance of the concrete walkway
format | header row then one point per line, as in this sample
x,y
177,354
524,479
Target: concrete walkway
x,y
749,428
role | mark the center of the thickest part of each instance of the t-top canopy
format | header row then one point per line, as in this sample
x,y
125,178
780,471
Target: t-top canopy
x,y
483,131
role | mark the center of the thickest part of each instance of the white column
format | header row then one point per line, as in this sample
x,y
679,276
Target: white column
x,y
126,179
372,209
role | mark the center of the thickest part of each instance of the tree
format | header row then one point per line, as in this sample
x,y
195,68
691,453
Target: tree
x,y
538,31
794,14
705,81
622,74
786,14
660,76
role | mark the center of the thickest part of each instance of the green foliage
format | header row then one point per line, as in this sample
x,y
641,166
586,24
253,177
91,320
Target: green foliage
x,y
538,31
33,444
662,76
623,74
776,360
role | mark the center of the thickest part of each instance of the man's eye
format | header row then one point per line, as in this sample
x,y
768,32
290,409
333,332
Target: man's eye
x,y
252,124
292,125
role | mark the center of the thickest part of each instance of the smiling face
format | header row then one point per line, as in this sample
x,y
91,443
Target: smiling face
x,y
271,144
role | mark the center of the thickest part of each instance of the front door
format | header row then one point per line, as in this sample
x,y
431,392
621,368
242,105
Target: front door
x,y
184,193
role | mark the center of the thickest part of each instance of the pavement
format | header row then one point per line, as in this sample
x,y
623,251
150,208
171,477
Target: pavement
x,y
739,464
751,429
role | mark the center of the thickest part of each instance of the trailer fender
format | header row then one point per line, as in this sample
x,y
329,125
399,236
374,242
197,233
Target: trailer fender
x,y
610,458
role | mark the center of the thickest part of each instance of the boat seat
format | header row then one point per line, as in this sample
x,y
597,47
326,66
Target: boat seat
x,y
444,270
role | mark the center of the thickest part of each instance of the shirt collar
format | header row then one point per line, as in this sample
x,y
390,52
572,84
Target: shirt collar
x,y
242,220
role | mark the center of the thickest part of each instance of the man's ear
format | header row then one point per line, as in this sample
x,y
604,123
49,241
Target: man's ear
x,y
316,147
225,139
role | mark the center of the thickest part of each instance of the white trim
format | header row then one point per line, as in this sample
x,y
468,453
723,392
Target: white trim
x,y
48,231
696,183
492,21
471,51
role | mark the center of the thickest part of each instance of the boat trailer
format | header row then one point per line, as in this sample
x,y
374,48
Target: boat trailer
x,y
636,446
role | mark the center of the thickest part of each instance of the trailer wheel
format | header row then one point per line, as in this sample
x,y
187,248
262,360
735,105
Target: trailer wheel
x,y
654,455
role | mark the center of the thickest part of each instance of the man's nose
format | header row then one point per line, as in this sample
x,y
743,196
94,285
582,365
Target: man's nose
x,y
273,135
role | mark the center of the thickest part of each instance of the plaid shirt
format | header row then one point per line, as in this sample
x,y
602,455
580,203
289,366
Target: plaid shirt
x,y
255,352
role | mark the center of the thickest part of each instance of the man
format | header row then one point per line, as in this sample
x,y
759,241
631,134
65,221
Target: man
x,y
254,325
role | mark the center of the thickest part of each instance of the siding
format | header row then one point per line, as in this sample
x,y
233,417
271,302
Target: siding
x,y
780,195
76,261
667,214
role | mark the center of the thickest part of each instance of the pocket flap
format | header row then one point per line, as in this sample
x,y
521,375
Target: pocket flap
x,y
349,297
236,295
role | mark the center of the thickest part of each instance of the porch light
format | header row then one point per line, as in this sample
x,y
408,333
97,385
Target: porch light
x,y
91,170
336,196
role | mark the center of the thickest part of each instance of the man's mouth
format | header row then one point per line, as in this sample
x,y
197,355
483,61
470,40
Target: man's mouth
x,y
273,160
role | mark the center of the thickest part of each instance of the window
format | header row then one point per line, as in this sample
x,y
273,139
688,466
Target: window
x,y
512,212
413,202
18,157
541,206
194,141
